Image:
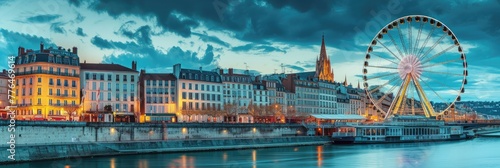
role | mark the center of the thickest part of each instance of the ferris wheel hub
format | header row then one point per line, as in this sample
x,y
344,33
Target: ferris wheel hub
x,y
410,65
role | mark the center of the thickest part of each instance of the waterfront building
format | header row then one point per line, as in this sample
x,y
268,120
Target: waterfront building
x,y
47,83
237,94
343,103
260,104
109,92
158,97
327,98
4,90
199,95
306,90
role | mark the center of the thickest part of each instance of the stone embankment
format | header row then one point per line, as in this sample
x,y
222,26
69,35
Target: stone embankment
x,y
54,140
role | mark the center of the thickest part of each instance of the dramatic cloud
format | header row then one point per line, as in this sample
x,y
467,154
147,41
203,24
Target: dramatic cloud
x,y
42,18
258,48
57,28
80,32
211,39
142,50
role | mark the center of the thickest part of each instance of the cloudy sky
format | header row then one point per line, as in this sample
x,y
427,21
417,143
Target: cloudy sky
x,y
258,34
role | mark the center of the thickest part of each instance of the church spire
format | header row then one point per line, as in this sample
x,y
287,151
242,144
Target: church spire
x,y
358,85
345,80
323,66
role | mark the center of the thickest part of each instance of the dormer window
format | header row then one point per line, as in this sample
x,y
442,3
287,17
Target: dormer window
x,y
196,77
183,76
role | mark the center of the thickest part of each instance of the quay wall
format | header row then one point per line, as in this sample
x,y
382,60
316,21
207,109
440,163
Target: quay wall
x,y
50,140
33,133
74,151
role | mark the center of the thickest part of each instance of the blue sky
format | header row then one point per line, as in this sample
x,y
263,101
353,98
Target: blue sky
x,y
260,34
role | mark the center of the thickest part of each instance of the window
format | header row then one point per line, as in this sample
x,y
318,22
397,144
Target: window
x,y
132,87
39,80
117,87
39,91
132,78
65,82
73,83
117,78
195,86
183,94
93,97
132,97
51,82
39,101
31,91
125,97
109,77
50,92
109,86
202,87
94,76
190,86
73,93
109,96
117,107
196,96
154,82
31,81
94,87
183,85
101,76
190,96
124,87
86,75
117,96
125,78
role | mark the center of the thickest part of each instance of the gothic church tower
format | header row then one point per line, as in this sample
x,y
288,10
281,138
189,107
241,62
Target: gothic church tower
x,y
324,71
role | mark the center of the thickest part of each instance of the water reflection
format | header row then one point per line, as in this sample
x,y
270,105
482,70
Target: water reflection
x,y
319,150
480,152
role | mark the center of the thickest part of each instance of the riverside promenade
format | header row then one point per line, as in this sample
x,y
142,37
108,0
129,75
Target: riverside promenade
x,y
55,140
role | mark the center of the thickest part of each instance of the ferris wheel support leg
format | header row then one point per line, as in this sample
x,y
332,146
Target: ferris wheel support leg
x,y
401,95
426,105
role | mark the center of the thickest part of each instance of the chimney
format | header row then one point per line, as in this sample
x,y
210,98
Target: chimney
x,y
134,65
230,71
4,71
19,50
84,61
69,50
201,68
221,71
41,46
59,47
75,50
143,71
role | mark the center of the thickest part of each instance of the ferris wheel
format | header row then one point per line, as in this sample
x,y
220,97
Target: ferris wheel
x,y
414,65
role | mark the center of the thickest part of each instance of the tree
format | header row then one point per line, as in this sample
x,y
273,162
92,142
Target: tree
x,y
71,111
108,108
231,110
188,112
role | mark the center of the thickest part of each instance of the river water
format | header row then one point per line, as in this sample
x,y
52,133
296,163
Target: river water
x,y
480,152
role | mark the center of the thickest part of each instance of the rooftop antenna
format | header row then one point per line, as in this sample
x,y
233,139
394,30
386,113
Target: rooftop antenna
x,y
246,66
282,68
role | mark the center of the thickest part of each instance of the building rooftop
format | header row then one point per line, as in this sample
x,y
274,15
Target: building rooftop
x,y
105,67
200,75
158,76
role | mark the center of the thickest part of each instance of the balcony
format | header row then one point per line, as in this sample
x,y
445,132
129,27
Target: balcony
x,y
47,72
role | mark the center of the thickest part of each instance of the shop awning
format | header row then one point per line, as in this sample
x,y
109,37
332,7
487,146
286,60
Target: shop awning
x,y
338,116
